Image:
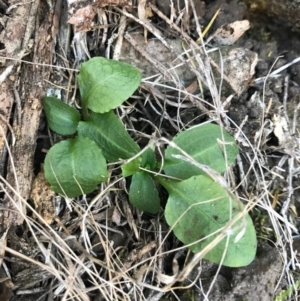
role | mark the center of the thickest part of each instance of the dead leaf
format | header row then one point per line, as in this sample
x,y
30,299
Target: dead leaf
x,y
192,87
230,33
6,286
144,12
120,3
3,242
116,216
281,129
42,196
163,278
238,68
83,18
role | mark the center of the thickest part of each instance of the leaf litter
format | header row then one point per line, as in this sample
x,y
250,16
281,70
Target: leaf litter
x,y
69,245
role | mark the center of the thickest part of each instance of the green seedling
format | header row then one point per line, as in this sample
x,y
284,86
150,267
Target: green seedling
x,y
200,207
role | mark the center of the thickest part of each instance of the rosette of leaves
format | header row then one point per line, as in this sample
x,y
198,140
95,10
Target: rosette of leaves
x,y
77,165
201,209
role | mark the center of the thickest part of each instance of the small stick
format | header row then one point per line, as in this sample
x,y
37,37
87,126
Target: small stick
x,y
18,102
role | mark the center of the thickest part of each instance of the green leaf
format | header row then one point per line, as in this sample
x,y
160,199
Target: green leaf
x,y
202,144
61,118
148,159
105,84
109,133
143,193
74,167
197,208
131,168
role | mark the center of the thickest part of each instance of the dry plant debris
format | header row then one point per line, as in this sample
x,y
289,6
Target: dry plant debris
x,y
6,289
83,18
25,84
236,66
43,198
228,34
82,13
68,249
